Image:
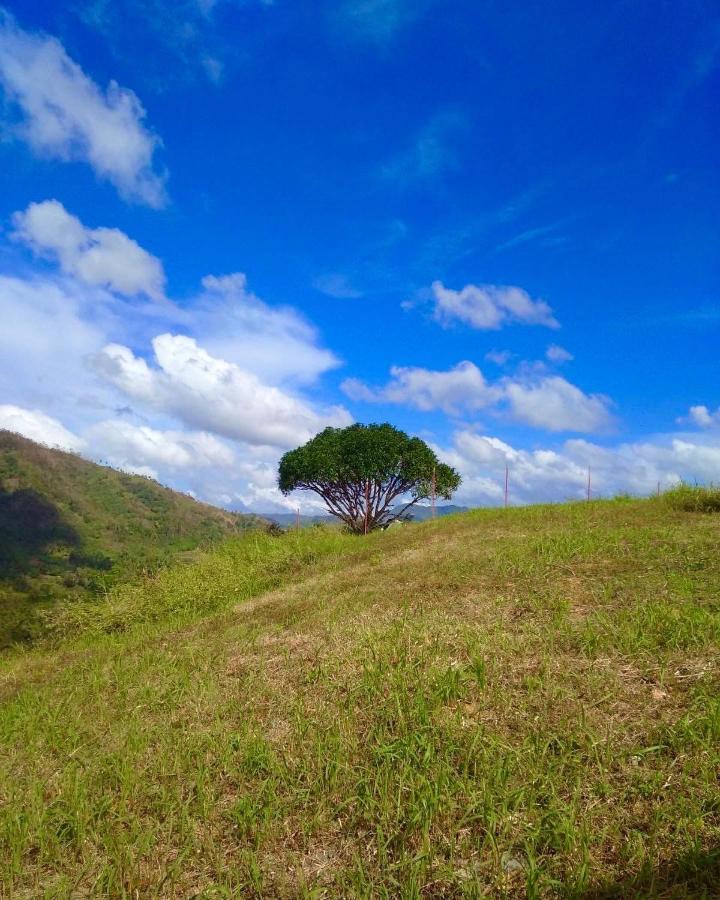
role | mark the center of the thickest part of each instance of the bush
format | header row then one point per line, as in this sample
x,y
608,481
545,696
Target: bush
x,y
694,498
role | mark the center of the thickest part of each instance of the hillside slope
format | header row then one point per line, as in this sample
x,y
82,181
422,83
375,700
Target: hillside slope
x,y
520,703
70,528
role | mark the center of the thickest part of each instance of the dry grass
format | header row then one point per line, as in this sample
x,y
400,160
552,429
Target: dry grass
x,y
509,704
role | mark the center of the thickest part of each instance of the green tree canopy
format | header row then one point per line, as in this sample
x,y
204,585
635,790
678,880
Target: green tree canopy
x,y
360,472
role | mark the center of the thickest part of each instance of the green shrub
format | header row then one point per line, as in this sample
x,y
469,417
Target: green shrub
x,y
694,498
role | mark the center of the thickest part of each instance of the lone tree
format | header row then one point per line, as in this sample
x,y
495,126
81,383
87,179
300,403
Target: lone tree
x,y
360,470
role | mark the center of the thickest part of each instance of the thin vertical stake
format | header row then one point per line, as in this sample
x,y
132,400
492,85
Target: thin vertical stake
x,y
297,519
588,484
433,492
367,503
658,489
507,475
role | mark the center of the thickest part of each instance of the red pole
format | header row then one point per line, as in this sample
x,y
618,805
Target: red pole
x,y
588,484
297,519
433,493
367,503
506,484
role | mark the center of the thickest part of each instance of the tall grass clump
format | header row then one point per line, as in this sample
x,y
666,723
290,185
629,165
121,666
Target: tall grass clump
x,y
694,498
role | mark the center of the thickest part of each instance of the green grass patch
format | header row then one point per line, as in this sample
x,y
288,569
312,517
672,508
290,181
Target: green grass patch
x,y
694,498
496,704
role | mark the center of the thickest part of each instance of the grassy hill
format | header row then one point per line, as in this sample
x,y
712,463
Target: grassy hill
x,y
520,703
70,528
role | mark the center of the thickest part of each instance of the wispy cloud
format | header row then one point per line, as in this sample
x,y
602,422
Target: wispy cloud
x,y
432,152
557,354
187,32
546,235
335,284
379,20
703,62
499,357
62,114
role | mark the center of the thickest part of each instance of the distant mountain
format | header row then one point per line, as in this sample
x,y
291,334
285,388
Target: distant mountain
x,y
417,514
70,528
422,513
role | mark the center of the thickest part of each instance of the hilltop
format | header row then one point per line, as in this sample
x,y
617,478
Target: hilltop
x,y
70,528
504,703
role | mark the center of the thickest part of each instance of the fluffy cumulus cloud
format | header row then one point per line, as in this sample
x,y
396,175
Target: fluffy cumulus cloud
x,y
561,473
132,448
63,114
101,257
274,342
38,426
212,394
256,488
129,446
557,405
489,307
211,409
702,417
533,397
464,386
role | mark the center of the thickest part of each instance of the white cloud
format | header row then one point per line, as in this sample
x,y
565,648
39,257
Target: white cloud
x,y
48,328
424,389
65,115
72,349
558,474
102,257
557,354
557,405
53,327
489,307
275,343
499,357
259,491
131,446
33,424
336,285
212,394
548,402
702,417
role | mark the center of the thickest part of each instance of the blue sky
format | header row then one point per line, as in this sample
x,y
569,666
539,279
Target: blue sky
x,y
227,224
